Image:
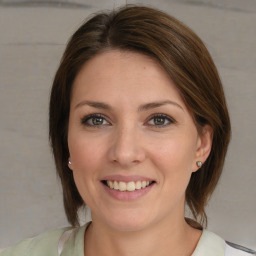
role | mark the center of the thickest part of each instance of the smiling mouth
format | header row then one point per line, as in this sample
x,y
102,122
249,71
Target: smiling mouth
x,y
127,186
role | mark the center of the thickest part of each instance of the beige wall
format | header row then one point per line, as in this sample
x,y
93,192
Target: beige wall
x,y
32,39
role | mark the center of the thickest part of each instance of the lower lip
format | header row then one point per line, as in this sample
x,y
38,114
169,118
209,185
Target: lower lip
x,y
128,196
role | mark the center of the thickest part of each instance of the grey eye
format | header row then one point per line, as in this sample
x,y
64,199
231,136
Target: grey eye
x,y
160,120
94,120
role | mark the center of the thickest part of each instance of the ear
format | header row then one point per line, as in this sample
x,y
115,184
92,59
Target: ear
x,y
204,145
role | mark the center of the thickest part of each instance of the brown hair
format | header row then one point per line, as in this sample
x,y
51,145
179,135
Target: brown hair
x,y
184,57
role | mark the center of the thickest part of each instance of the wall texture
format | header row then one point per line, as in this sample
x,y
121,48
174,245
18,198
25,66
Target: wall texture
x,y
33,35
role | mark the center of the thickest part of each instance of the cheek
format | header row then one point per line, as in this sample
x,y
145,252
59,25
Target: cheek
x,y
175,154
83,153
86,158
174,160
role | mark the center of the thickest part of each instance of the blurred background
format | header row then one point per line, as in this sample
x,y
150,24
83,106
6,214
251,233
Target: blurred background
x,y
33,35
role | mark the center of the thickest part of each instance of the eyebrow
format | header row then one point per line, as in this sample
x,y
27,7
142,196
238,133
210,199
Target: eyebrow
x,y
94,104
144,107
157,104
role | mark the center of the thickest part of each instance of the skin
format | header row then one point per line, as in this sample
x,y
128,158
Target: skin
x,y
131,142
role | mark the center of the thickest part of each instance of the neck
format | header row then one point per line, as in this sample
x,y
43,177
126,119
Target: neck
x,y
162,239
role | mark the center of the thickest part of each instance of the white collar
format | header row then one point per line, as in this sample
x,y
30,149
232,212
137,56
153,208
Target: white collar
x,y
210,244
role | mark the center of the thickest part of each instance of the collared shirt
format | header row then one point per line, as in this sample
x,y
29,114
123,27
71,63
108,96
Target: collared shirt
x,y
67,242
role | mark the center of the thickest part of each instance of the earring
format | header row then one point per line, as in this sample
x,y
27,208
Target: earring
x,y
69,162
199,164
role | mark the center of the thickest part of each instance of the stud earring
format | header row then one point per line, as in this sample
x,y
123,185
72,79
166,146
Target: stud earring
x,y
69,162
199,164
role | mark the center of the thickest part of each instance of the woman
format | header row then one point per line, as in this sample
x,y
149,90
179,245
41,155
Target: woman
x,y
139,128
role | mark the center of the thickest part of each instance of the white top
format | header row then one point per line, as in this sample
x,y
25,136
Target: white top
x,y
231,251
209,244
70,242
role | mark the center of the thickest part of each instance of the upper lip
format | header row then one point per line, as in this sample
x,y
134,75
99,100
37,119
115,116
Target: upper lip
x,y
126,178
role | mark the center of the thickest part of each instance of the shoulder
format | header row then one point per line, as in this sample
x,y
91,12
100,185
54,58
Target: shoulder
x,y
44,244
237,250
211,244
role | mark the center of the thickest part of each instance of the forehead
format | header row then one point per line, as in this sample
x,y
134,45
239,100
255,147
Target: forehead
x,y
119,75
121,63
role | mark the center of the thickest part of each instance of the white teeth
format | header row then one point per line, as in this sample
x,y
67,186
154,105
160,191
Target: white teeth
x,y
116,185
122,186
138,185
110,184
130,186
143,184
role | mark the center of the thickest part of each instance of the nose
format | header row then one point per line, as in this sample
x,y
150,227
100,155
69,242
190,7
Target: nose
x,y
126,148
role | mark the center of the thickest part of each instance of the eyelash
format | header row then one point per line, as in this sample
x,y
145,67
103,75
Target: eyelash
x,y
85,119
163,116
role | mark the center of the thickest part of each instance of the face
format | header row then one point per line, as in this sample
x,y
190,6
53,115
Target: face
x,y
132,141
